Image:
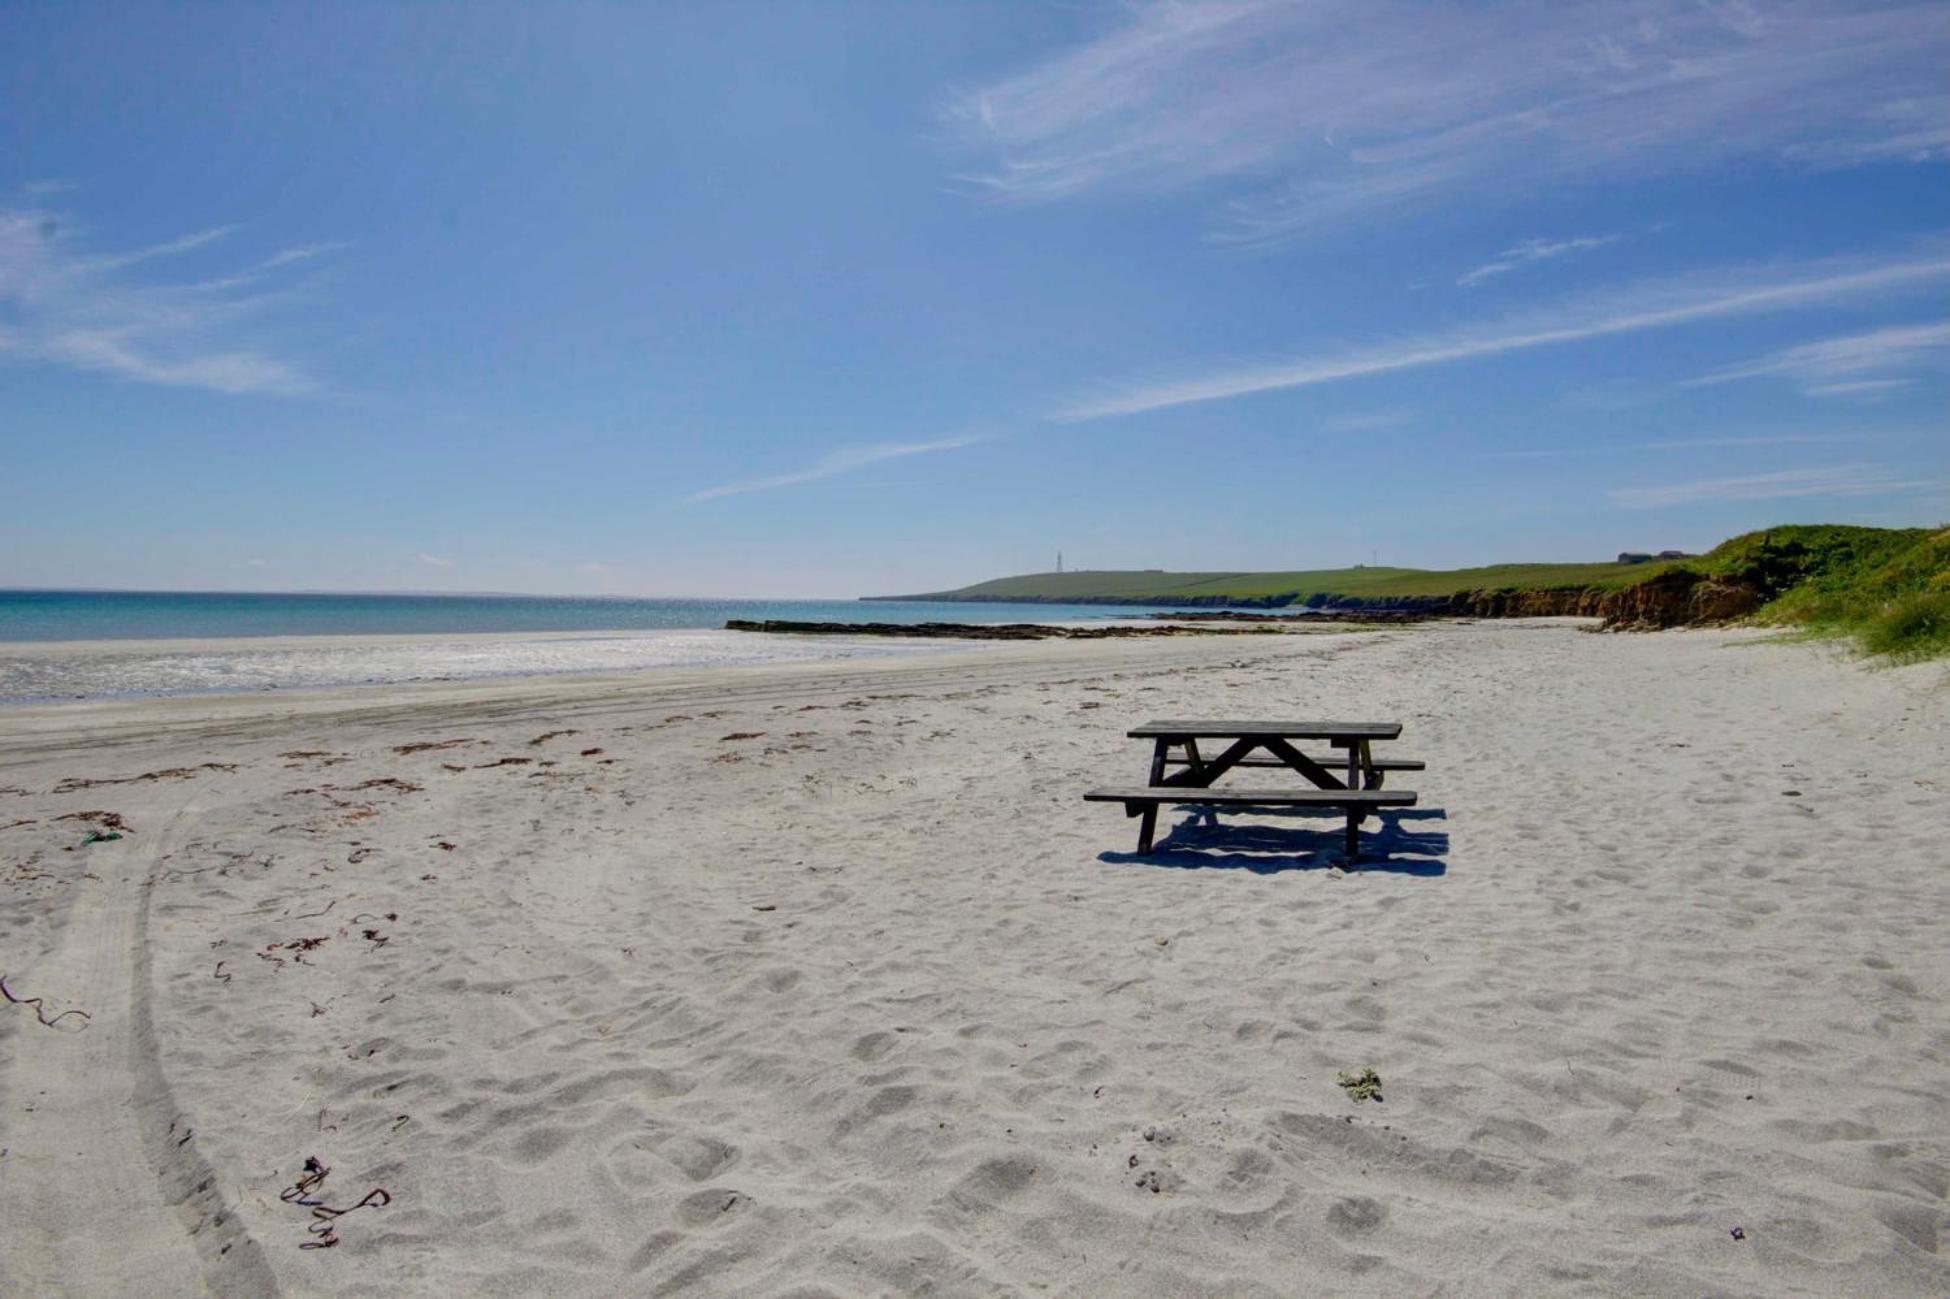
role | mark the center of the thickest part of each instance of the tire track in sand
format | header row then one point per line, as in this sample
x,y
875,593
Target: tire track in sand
x,y
105,1129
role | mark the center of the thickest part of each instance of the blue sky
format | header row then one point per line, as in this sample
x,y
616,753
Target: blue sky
x,y
832,299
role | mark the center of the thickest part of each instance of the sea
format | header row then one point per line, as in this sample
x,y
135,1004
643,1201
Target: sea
x,y
58,645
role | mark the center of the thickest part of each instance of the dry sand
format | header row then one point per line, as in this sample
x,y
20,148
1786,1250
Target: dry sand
x,y
821,980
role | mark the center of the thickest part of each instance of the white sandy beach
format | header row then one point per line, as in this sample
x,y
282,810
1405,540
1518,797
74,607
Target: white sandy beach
x,y
39,671
821,979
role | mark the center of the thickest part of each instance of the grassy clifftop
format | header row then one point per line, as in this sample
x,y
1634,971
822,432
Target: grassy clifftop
x,y
1155,586
1889,588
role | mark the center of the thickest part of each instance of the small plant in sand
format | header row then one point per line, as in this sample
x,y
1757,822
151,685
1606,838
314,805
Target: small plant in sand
x,y
1362,1086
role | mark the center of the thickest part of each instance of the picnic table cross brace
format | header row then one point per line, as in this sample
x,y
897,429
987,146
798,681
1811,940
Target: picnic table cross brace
x,y
1201,773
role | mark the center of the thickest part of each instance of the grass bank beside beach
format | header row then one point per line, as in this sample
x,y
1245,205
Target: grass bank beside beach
x,y
1886,589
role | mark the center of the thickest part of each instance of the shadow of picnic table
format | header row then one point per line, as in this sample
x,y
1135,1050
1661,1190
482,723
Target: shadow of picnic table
x,y
1200,841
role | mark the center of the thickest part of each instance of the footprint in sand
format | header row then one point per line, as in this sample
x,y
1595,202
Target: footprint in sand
x,y
712,1208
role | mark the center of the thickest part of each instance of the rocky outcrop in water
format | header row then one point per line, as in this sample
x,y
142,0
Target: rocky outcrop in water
x,y
983,631
1315,617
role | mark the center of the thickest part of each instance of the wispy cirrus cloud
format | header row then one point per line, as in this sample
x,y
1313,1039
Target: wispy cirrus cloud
x,y
1858,388
1650,306
1853,365
1831,480
833,464
1529,252
1678,444
108,312
1302,115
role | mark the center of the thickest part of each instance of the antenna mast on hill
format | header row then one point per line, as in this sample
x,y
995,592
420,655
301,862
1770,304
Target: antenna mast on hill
x,y
1059,561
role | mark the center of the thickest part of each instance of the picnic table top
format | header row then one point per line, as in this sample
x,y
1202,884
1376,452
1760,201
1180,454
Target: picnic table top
x,y
1226,730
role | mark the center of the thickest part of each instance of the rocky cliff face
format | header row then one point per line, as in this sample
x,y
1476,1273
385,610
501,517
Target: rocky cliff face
x,y
1673,599
1528,604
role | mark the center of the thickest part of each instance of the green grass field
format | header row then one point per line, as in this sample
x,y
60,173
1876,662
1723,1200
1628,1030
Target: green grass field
x,y
1886,588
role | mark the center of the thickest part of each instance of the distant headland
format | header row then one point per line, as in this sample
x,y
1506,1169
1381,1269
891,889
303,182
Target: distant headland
x,y
1890,587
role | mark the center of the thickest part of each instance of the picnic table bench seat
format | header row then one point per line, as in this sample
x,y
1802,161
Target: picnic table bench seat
x,y
1342,734
1137,799
1255,797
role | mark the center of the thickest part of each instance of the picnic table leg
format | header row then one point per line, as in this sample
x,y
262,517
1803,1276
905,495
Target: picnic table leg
x,y
1360,775
1361,759
1148,819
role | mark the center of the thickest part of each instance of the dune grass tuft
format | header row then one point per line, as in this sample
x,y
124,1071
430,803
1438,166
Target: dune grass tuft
x,y
1887,589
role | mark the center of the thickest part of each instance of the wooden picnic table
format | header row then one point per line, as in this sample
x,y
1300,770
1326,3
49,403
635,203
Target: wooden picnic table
x,y
1350,778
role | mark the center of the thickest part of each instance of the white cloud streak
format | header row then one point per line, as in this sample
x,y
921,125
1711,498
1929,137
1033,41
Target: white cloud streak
x,y
105,312
1854,365
1309,114
1859,388
1529,252
1678,444
1834,480
833,464
1655,306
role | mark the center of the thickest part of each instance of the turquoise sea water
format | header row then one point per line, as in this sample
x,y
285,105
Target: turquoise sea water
x,y
126,615
407,638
